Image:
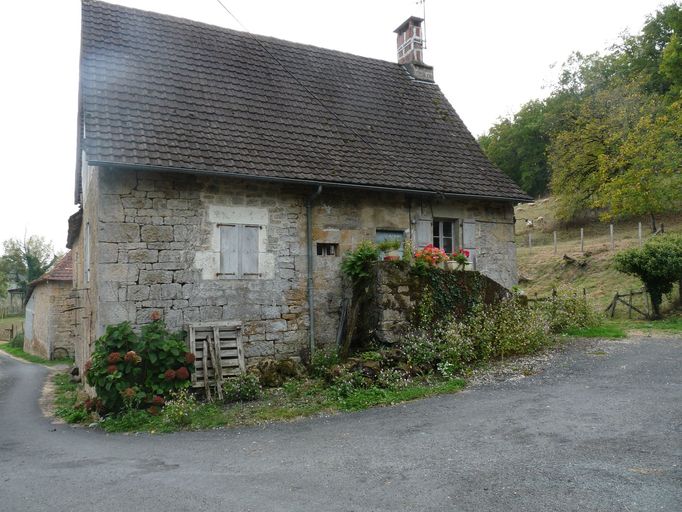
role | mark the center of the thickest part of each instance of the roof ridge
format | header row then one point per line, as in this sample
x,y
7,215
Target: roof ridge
x,y
244,33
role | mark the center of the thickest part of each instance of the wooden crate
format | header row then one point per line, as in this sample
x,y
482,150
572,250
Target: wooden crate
x,y
226,340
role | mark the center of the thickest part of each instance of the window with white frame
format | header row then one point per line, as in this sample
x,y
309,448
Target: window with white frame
x,y
239,251
445,234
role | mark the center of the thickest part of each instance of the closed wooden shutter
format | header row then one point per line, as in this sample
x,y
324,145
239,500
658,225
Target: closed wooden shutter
x,y
229,249
469,240
424,231
248,250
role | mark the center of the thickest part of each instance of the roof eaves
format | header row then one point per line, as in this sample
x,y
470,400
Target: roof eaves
x,y
296,181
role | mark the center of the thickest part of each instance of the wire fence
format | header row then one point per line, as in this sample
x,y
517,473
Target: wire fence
x,y
613,237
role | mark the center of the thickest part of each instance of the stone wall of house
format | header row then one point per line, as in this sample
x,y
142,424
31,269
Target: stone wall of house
x,y
52,325
158,249
155,246
63,320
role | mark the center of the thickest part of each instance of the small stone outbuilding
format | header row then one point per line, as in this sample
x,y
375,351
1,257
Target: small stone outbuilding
x,y
222,176
50,323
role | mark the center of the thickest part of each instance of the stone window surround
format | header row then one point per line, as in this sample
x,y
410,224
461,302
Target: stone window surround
x,y
207,257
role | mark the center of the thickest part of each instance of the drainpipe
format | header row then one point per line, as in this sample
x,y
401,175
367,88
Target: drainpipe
x,y
309,246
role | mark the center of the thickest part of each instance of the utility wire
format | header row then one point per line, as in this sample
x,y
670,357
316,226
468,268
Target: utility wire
x,y
308,91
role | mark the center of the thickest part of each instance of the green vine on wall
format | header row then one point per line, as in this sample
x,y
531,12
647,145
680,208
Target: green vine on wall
x,y
446,295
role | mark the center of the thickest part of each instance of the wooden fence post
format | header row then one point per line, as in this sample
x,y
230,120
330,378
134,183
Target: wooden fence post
x,y
630,305
582,240
555,248
639,233
613,245
615,301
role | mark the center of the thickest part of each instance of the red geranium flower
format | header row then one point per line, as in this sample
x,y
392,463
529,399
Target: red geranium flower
x,y
153,410
169,374
128,393
158,400
182,373
111,368
114,357
189,357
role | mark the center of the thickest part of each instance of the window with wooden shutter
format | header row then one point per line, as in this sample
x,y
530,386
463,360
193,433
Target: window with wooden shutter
x,y
239,250
469,240
423,233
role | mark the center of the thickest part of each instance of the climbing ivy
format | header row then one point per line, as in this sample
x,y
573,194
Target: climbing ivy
x,y
446,294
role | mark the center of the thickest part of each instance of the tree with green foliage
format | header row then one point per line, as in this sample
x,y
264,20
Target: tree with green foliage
x,y
644,176
517,146
606,139
576,154
27,260
658,264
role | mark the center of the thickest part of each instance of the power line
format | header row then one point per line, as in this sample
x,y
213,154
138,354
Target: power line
x,y
307,90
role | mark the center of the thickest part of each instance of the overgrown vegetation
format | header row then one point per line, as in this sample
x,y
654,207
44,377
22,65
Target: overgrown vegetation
x,y
432,359
609,137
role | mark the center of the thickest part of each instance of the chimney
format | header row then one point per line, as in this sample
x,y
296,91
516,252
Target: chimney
x,y
411,49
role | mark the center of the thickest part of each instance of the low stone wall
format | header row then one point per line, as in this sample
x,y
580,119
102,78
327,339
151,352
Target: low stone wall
x,y
389,302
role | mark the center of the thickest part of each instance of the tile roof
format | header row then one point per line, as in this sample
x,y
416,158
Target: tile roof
x,y
61,271
164,92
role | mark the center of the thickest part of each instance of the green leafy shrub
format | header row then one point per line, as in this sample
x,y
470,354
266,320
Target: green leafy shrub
x,y
243,388
17,341
506,328
658,264
392,378
346,382
322,361
129,371
358,263
180,409
566,311
443,343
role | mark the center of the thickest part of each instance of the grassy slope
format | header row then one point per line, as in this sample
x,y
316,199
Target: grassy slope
x,y
546,270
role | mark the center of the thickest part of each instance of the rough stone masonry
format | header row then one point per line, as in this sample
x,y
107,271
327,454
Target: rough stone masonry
x,y
153,244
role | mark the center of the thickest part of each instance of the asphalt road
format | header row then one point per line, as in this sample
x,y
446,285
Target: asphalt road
x,y
599,430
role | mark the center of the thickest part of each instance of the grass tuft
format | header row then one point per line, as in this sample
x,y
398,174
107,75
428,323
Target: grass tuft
x,y
599,331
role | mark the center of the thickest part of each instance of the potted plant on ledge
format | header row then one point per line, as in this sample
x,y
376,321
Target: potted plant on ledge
x,y
390,249
458,260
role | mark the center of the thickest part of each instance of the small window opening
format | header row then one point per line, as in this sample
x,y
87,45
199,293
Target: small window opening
x,y
325,249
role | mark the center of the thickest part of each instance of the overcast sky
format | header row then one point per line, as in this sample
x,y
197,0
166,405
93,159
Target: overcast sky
x,y
489,58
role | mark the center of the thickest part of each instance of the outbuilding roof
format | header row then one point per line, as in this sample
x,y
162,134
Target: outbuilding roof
x,y
161,92
61,271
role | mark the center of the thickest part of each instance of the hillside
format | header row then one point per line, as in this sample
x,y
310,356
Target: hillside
x,y
540,269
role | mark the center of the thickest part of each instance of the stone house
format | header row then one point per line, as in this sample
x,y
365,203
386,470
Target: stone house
x,y
50,322
222,176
